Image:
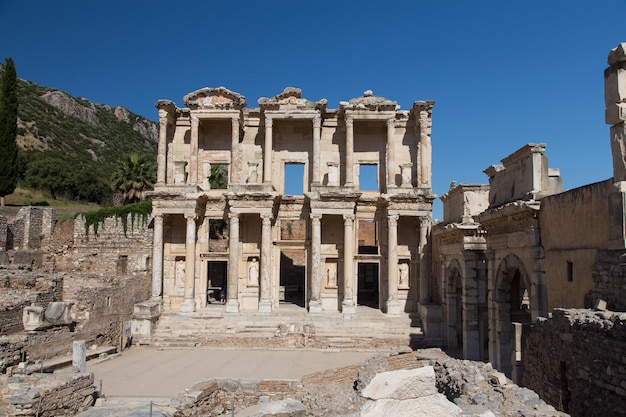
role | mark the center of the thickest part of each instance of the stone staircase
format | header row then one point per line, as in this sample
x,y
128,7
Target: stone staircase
x,y
288,327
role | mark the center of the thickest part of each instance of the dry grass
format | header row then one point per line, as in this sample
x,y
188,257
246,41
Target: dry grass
x,y
25,197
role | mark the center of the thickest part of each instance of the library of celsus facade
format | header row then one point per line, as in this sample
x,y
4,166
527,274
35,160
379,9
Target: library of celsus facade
x,y
292,202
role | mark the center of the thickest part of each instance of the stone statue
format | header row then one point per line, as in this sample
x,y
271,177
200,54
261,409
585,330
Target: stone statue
x,y
403,269
406,175
180,272
333,174
206,178
331,276
253,272
253,175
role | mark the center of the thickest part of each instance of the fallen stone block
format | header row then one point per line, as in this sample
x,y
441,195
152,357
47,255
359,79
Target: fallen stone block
x,y
436,405
283,408
402,384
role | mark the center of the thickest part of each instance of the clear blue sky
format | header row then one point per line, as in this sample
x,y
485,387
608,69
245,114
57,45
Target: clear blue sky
x,y
503,73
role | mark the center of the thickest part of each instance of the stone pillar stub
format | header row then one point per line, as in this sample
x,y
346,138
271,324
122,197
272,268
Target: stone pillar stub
x,y
157,257
232,303
79,356
265,303
424,275
234,151
315,306
189,303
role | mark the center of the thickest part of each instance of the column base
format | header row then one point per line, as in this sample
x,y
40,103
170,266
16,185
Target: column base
x,y
315,307
393,307
188,306
348,310
265,306
232,306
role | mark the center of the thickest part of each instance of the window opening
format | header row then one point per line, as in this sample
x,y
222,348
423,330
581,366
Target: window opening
x,y
294,179
368,177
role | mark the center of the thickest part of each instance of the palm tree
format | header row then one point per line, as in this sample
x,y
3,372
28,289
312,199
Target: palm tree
x,y
134,176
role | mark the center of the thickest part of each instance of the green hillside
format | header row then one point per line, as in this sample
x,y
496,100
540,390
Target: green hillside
x,y
69,146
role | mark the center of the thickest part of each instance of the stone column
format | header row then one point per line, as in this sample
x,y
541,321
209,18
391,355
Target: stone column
x,y
193,157
265,304
349,182
317,127
79,356
189,304
157,257
393,304
267,156
424,272
315,305
348,306
391,154
234,152
162,150
232,304
425,150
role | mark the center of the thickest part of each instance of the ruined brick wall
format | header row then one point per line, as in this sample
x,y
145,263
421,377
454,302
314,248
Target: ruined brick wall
x,y
609,276
46,395
4,227
19,287
575,362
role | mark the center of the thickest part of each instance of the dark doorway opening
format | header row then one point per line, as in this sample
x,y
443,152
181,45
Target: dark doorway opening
x,y
367,291
292,277
217,272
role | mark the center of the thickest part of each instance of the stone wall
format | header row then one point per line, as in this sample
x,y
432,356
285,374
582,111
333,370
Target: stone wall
x,y
575,361
609,275
19,287
46,395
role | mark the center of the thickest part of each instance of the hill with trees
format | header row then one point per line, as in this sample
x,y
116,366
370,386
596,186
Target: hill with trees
x,y
69,147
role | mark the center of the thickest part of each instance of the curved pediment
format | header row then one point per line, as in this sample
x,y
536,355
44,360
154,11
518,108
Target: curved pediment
x,y
219,98
290,99
368,101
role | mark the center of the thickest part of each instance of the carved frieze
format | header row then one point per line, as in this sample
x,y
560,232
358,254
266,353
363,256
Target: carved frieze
x,y
214,98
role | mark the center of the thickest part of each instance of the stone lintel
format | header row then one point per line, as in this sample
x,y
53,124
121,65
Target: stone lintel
x,y
208,114
523,152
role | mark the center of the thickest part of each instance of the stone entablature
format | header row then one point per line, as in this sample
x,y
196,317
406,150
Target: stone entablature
x,y
317,235
465,201
523,175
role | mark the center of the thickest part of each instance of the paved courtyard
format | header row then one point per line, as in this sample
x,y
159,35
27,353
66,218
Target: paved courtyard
x,y
132,380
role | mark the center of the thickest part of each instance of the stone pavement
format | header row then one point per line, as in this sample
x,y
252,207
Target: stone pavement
x,y
137,376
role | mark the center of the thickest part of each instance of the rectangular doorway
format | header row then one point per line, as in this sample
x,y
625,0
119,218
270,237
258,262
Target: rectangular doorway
x,y
293,277
368,288
216,280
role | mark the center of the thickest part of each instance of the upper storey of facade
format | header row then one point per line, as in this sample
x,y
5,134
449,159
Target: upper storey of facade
x,y
293,146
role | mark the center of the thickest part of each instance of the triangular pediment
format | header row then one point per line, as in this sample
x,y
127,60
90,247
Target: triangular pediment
x,y
219,98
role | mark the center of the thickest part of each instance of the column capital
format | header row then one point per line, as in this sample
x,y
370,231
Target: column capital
x,y
348,218
315,217
235,121
391,122
392,219
349,121
267,218
424,222
268,122
232,215
317,121
195,120
158,215
191,216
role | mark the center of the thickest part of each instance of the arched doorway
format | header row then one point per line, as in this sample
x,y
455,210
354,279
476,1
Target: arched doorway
x,y
512,297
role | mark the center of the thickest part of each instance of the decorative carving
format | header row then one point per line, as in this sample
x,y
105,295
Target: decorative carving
x,y
56,314
180,273
180,176
215,98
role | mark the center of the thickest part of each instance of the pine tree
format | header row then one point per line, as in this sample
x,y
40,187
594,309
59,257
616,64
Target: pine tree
x,y
8,130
